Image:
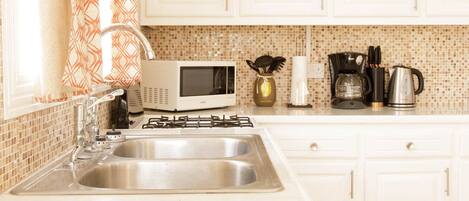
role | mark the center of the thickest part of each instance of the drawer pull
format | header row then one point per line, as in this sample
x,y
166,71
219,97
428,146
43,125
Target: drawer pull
x,y
314,147
410,146
352,184
447,182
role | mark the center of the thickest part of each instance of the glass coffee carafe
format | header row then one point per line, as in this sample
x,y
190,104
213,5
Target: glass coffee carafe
x,y
351,87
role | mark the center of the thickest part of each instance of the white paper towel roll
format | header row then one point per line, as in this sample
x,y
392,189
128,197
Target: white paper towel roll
x,y
299,81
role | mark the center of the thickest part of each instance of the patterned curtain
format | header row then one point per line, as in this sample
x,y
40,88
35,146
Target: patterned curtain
x,y
84,64
76,73
126,48
54,23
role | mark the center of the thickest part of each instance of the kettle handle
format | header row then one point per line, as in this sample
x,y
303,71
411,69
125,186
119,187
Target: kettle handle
x,y
369,85
421,80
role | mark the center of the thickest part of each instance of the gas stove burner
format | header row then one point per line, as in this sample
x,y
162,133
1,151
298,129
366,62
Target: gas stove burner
x,y
199,122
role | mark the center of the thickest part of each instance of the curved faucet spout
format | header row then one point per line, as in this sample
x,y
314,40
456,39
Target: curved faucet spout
x,y
149,53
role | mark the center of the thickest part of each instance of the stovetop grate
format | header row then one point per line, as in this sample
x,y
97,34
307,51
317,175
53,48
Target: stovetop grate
x,y
198,122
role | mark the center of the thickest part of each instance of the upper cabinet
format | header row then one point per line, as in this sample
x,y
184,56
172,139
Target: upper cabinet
x,y
304,12
186,8
282,7
376,8
447,8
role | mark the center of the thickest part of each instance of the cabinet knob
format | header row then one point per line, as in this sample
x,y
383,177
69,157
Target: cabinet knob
x,y
410,146
314,147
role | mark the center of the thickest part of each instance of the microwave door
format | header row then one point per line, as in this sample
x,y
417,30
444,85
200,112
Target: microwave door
x,y
219,86
203,81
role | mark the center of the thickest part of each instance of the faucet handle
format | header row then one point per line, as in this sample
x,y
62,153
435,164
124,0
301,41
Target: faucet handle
x,y
109,97
118,92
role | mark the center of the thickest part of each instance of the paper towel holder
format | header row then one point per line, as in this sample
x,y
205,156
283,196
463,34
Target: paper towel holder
x,y
299,84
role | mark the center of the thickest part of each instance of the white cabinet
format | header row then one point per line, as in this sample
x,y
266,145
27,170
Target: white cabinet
x,y
327,181
376,8
375,162
447,8
282,7
323,158
186,8
304,12
407,181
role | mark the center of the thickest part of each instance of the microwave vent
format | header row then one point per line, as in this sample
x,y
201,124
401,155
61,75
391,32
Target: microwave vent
x,y
155,95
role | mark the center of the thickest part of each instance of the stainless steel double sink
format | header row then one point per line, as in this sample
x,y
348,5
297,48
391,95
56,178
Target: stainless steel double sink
x,y
164,165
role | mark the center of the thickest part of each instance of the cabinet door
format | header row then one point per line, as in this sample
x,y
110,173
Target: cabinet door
x,y
187,8
283,7
448,8
327,181
378,8
464,181
407,181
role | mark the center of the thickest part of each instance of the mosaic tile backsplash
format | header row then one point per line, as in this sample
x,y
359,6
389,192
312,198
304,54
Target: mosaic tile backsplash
x,y
440,52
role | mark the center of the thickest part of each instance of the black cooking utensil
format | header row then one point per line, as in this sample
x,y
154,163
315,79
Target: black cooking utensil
x,y
252,65
264,61
371,56
277,64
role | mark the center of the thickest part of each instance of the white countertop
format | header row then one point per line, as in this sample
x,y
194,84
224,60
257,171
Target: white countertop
x,y
292,190
427,114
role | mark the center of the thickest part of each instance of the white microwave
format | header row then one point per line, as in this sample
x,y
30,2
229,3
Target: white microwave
x,y
188,85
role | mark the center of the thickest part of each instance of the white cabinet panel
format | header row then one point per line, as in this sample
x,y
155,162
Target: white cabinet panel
x,y
447,8
465,144
378,8
187,8
327,181
407,181
282,7
464,181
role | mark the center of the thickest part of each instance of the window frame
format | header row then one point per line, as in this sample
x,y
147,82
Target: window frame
x,y
10,72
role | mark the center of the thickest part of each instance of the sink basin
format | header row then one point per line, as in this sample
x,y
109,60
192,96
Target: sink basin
x,y
174,175
163,164
182,148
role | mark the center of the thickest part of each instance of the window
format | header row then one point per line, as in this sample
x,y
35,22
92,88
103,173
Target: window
x,y
22,53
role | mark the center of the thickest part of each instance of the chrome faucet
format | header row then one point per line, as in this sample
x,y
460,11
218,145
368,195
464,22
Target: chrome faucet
x,y
87,113
87,125
149,53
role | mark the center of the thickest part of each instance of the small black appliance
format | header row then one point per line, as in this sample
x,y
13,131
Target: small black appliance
x,y
120,112
349,82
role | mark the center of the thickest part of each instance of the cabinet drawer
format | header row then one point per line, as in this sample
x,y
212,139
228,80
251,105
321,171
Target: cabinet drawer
x,y
319,146
307,141
409,143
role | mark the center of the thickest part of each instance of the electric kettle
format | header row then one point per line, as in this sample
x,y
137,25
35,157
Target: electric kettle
x,y
401,87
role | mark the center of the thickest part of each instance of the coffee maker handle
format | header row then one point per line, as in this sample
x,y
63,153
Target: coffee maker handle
x,y
369,86
421,80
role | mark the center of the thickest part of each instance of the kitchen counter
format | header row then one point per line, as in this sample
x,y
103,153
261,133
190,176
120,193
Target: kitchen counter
x,y
422,114
291,192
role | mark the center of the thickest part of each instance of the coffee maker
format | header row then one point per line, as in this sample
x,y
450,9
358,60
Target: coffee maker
x,y
349,82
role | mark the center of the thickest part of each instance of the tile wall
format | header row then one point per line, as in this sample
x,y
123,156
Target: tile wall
x,y
440,52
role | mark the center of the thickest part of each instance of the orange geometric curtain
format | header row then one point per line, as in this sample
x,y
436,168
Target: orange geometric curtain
x,y
84,65
126,48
